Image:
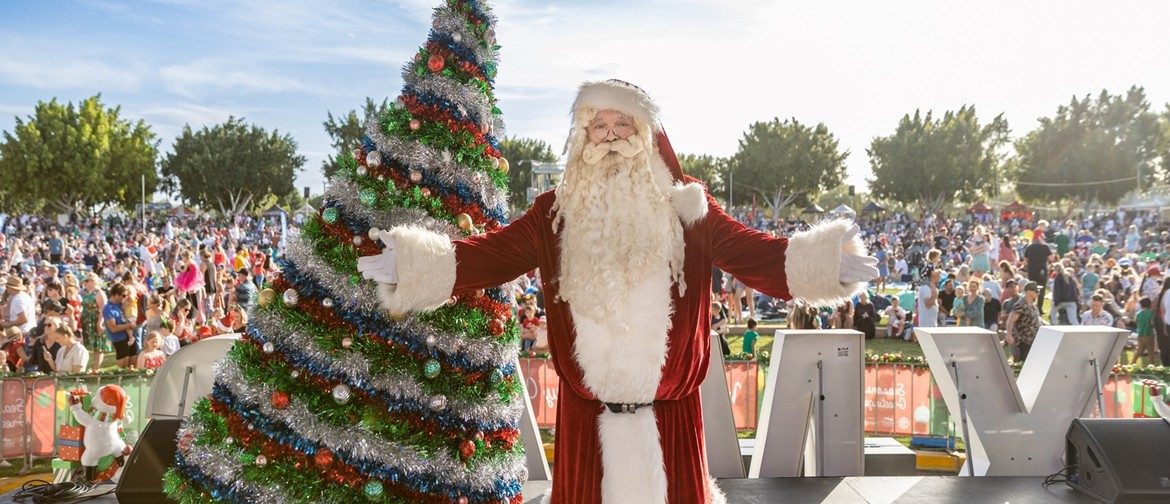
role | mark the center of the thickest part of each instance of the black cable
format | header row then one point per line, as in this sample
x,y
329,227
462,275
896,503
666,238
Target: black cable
x,y
45,492
1061,476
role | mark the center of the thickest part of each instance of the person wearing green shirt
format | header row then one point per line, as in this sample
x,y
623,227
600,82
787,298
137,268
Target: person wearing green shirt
x,y
749,337
1062,243
1145,331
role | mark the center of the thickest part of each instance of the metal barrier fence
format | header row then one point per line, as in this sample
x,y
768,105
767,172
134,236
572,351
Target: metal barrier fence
x,y
31,409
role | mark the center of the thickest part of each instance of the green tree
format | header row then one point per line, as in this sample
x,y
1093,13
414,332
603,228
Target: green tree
x,y
229,165
521,153
929,161
82,158
346,132
708,169
779,161
1090,150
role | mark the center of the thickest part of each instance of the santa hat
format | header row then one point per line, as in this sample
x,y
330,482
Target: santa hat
x,y
111,400
686,195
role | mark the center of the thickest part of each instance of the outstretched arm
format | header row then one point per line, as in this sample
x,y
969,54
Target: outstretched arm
x,y
822,266
420,269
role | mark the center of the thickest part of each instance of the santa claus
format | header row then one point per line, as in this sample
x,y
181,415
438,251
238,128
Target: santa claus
x,y
626,242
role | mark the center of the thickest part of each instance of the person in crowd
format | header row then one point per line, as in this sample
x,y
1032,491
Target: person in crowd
x,y
245,293
181,324
991,311
152,355
865,316
1162,323
1147,346
21,306
170,342
883,266
1065,293
119,328
946,301
750,336
1024,321
719,326
13,347
1089,281
974,305
1037,255
71,357
1096,314
895,319
959,305
529,322
189,285
928,301
842,317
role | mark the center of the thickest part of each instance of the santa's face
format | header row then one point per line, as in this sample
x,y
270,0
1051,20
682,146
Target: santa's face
x,y
609,125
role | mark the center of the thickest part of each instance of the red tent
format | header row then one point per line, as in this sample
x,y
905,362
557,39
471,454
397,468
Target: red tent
x,y
1016,210
979,208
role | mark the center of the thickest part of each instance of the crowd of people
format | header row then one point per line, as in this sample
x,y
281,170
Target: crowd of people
x,y
1011,276
82,294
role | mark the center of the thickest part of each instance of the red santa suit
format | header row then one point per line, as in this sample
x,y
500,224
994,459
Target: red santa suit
x,y
652,449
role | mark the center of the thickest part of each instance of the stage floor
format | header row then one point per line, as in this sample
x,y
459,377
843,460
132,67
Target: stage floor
x,y
853,490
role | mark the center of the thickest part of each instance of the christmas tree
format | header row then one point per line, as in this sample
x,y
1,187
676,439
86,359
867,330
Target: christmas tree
x,y
329,398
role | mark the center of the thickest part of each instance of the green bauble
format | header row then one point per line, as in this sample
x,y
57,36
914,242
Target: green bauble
x,y
432,368
330,215
373,490
368,197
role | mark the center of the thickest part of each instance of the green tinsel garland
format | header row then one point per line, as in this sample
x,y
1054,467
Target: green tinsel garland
x,y
466,151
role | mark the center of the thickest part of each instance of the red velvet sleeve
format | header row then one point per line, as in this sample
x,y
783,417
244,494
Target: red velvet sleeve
x,y
492,259
752,257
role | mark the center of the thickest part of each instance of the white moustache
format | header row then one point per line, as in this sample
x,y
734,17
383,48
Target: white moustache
x,y
626,147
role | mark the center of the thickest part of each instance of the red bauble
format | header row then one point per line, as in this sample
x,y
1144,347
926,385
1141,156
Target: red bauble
x,y
496,326
462,499
532,354
280,399
466,449
323,457
415,125
479,435
436,63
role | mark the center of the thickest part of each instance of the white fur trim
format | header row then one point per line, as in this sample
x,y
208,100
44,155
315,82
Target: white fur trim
x,y
717,496
1161,407
621,359
689,202
426,271
813,264
616,95
631,458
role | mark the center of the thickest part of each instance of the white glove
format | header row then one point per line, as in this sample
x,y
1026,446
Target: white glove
x,y
381,268
856,268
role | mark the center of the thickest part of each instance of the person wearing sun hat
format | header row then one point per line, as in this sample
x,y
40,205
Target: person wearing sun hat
x,y
21,306
627,242
1024,322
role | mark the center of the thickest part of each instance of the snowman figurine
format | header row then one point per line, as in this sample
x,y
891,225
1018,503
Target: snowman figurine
x,y
1160,405
103,423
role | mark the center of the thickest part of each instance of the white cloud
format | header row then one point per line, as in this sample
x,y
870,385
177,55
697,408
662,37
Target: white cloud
x,y
210,76
123,10
61,71
8,110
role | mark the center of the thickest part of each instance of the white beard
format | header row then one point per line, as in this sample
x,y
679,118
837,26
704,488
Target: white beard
x,y
619,229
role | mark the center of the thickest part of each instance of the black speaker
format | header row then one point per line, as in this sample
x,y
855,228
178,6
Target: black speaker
x,y
1119,460
153,454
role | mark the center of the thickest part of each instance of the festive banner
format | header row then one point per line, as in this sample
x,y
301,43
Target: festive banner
x,y
14,416
897,399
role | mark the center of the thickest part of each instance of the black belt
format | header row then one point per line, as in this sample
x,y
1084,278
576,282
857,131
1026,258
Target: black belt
x,y
626,407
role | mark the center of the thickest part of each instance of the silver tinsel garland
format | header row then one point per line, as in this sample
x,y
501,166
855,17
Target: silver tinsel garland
x,y
478,351
427,159
355,366
222,465
469,98
449,21
363,445
344,194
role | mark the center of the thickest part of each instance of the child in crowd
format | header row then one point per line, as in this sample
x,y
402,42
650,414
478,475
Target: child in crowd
x,y
13,339
895,318
959,308
152,355
749,337
1145,332
170,342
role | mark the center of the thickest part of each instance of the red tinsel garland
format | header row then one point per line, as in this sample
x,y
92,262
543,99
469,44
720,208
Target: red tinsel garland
x,y
438,115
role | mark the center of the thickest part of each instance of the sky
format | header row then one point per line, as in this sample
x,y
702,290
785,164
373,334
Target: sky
x,y
714,67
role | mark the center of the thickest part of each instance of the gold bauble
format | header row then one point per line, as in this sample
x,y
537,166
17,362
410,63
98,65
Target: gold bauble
x,y
267,296
464,221
504,164
397,316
